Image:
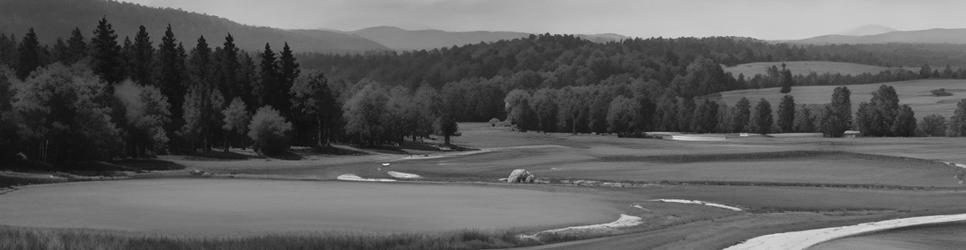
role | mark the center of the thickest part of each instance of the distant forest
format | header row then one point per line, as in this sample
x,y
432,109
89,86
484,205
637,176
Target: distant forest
x,y
95,96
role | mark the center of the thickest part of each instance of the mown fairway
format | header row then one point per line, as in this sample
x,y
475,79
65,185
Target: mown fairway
x,y
807,67
915,93
782,184
213,207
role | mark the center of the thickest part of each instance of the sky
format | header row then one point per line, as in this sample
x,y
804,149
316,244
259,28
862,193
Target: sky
x,y
764,19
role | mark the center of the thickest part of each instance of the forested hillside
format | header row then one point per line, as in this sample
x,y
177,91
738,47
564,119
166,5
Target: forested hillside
x,y
57,18
97,96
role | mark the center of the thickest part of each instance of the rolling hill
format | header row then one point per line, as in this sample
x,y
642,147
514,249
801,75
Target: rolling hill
x,y
402,39
807,67
57,18
916,93
930,36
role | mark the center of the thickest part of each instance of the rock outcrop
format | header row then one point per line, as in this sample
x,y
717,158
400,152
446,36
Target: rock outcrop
x,y
520,176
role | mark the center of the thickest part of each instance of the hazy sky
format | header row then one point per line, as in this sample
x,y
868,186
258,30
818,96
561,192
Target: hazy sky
x,y
766,19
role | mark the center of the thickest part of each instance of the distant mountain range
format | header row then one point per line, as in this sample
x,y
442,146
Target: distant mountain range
x,y
400,39
57,18
879,35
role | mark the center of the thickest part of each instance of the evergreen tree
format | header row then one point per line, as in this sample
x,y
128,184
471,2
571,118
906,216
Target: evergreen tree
x,y
786,114
142,58
761,118
106,53
268,89
28,55
787,80
957,123
228,73
76,47
741,115
706,117
805,120
60,51
199,65
170,77
313,98
288,72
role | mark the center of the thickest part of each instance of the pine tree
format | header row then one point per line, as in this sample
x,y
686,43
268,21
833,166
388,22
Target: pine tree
x,y
267,88
170,77
741,115
76,47
786,114
288,72
142,58
805,120
60,51
787,81
761,118
107,61
228,73
28,55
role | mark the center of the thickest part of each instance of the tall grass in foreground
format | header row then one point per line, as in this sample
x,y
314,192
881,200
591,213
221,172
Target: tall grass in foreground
x,y
69,239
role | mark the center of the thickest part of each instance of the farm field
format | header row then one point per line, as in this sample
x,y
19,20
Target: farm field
x,y
807,67
916,93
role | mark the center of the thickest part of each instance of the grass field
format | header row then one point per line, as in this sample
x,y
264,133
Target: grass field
x,y
915,93
782,184
220,207
807,67
933,237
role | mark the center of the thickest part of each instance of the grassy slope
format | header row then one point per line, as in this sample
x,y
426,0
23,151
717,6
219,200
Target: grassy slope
x,y
915,93
807,67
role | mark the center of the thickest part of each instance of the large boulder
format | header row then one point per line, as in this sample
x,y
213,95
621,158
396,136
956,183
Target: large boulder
x,y
520,176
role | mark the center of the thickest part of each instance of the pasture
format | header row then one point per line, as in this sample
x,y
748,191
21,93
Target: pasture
x,y
808,67
916,93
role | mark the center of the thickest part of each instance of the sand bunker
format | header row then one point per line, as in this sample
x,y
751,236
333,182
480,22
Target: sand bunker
x,y
352,177
624,221
401,175
805,239
697,202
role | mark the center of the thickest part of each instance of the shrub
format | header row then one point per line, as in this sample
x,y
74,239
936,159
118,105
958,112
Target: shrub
x,y
268,130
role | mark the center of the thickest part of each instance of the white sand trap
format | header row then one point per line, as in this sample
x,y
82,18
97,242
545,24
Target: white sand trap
x,y
624,221
805,239
698,137
241,207
401,175
352,177
697,202
953,164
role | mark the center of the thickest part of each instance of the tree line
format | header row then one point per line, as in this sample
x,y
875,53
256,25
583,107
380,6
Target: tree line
x,y
101,98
